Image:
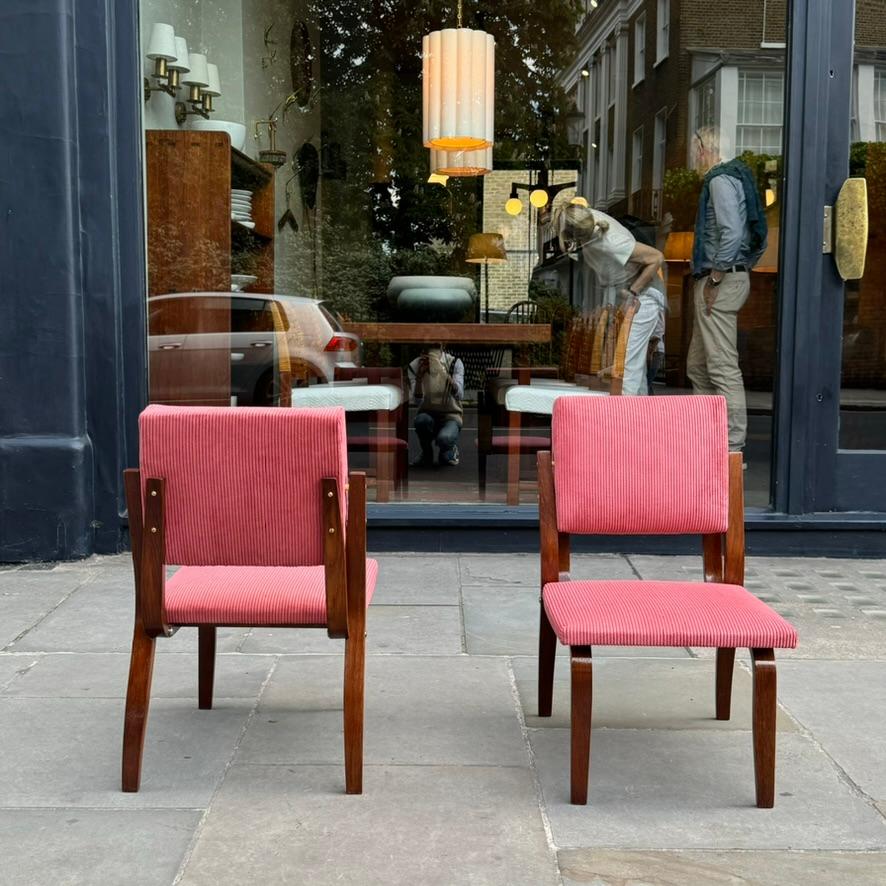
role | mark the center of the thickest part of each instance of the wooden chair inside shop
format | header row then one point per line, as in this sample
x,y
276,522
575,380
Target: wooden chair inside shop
x,y
258,510
676,483
598,344
523,312
392,436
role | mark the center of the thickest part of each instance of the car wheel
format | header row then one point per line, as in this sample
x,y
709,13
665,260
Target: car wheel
x,y
265,393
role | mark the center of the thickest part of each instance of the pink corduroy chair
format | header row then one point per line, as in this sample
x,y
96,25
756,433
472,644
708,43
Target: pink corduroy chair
x,y
257,508
674,476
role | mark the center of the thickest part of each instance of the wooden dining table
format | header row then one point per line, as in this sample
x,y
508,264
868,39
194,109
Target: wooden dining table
x,y
453,333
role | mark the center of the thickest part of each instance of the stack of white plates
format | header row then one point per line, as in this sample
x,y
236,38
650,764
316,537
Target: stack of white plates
x,y
241,207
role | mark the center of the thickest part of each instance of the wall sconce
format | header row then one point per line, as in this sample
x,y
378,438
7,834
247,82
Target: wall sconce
x,y
272,155
162,49
197,81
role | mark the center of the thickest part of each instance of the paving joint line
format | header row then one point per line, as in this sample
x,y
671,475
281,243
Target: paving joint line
x,y
192,843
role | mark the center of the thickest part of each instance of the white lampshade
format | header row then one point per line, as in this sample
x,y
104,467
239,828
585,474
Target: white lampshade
x,y
214,85
198,73
461,163
458,89
181,56
162,42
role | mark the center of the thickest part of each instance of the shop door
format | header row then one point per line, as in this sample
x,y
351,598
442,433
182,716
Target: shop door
x,y
831,419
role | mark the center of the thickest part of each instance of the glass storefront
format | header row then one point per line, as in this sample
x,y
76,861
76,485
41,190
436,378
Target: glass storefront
x,y
306,247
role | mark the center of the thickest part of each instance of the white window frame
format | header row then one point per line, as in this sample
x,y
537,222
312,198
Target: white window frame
x,y
640,49
637,139
659,149
741,120
662,31
880,104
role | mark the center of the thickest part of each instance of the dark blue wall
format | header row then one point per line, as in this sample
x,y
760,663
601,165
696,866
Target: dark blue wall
x,y
72,337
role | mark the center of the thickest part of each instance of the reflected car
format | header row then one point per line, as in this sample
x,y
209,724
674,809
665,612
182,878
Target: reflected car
x,y
211,346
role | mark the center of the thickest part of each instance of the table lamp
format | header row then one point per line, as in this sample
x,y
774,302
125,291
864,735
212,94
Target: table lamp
x,y
486,249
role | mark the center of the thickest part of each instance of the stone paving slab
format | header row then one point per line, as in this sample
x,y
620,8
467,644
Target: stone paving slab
x,y
142,847
417,579
23,608
443,710
668,789
104,675
757,868
429,825
13,665
843,705
643,694
67,752
489,570
407,630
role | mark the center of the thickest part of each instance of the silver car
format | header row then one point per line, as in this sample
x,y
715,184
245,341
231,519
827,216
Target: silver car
x,y
213,347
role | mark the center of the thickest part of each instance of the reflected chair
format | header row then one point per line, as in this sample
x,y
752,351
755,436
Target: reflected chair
x,y
393,437
679,479
522,312
257,508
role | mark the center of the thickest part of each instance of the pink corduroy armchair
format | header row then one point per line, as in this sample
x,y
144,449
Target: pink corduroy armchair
x,y
257,508
651,466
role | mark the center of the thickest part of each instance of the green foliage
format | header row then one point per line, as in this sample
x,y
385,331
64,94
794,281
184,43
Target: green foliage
x,y
868,160
680,192
553,308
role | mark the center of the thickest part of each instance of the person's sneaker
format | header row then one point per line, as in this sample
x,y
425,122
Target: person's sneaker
x,y
452,460
423,461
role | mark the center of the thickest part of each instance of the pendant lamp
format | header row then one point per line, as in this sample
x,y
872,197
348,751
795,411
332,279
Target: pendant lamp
x,y
461,163
458,88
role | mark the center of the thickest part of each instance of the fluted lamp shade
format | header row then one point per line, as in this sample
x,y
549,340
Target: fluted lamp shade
x,y
181,56
461,163
162,42
458,89
678,246
486,249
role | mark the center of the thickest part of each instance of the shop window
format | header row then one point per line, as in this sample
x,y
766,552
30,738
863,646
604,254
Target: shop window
x,y
880,103
637,160
659,149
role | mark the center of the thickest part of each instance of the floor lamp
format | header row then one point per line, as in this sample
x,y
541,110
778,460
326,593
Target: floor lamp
x,y
486,249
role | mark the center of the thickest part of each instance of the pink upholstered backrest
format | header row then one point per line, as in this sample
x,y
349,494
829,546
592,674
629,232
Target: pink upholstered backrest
x,y
641,465
243,486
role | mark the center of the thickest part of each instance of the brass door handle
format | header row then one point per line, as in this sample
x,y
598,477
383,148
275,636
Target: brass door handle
x,y
849,219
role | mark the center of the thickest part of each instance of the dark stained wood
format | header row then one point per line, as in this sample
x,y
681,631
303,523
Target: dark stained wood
x,y
206,665
138,696
152,575
725,667
551,554
712,554
255,249
582,706
334,561
453,333
355,645
734,564
564,555
765,709
132,482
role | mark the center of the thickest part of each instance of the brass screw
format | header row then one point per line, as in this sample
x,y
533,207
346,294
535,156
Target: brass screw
x,y
329,495
154,492
331,530
153,529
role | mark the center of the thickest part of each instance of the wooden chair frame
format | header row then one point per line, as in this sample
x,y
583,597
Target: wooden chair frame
x,y
344,559
723,556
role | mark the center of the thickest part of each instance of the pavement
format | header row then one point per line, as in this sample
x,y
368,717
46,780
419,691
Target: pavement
x,y
463,784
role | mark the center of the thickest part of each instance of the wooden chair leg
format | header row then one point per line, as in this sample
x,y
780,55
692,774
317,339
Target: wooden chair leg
x,y
582,701
138,697
765,708
206,665
355,667
481,474
725,666
547,656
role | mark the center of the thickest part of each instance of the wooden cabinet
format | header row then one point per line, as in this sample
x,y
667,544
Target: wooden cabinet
x,y
194,245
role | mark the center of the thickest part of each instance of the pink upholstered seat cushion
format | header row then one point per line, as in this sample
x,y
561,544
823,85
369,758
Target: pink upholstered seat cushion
x,y
663,613
252,595
641,465
524,441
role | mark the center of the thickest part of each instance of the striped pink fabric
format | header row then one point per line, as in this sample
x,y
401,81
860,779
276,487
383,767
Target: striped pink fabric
x,y
243,486
252,595
663,613
641,465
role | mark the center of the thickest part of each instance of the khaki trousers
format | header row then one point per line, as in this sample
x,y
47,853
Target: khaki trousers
x,y
712,361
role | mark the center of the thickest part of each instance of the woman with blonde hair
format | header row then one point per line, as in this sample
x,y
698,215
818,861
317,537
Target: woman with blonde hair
x,y
619,261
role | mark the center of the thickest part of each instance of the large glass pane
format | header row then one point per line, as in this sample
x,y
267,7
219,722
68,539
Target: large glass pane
x,y
306,247
863,380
